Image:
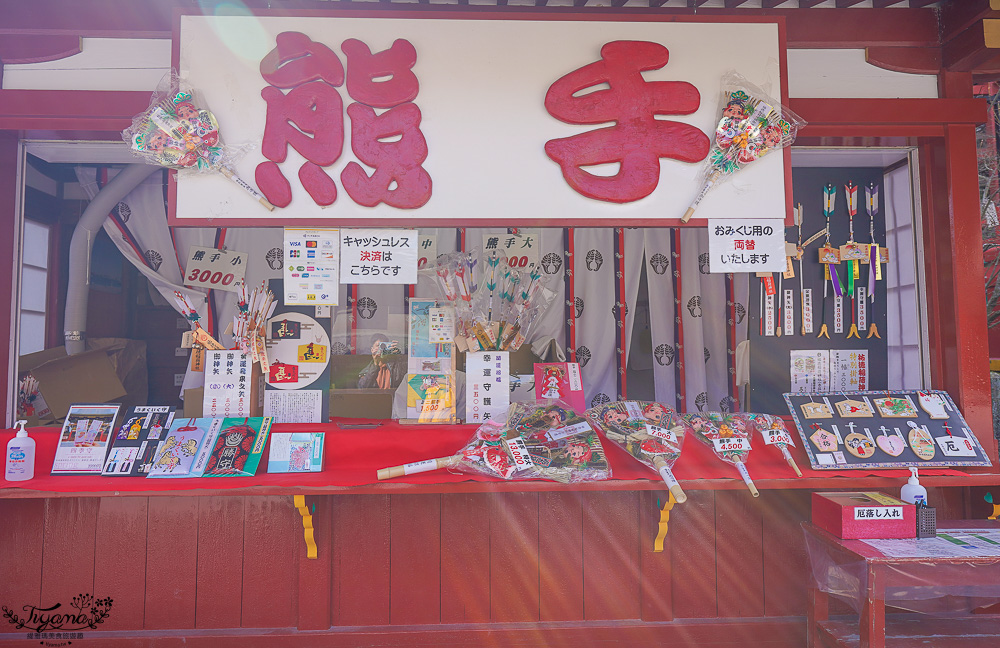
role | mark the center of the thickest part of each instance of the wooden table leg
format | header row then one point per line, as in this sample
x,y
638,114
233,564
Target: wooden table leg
x,y
818,609
872,626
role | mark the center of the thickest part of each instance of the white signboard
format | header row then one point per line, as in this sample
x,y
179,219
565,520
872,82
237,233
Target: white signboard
x,y
810,370
487,386
218,269
520,250
227,383
312,266
378,256
491,135
848,370
746,245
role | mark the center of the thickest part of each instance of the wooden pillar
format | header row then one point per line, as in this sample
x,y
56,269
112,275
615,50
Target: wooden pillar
x,y
10,242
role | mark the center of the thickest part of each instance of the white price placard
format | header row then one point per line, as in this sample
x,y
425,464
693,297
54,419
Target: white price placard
x,y
772,437
519,453
217,269
661,432
732,444
520,250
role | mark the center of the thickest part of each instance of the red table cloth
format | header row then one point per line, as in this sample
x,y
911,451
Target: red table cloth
x,y
353,456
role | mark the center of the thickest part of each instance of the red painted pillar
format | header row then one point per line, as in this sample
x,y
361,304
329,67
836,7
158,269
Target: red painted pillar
x,y
968,379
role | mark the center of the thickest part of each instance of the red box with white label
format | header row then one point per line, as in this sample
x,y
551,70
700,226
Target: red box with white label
x,y
861,516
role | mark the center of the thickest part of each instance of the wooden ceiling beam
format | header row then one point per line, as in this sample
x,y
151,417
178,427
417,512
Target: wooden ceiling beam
x,y
25,48
817,27
975,49
912,60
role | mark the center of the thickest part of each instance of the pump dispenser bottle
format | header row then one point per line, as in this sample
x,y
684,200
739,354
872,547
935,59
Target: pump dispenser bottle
x,y
20,457
913,492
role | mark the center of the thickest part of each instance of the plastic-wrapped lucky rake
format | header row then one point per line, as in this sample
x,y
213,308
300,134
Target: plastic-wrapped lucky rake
x,y
539,440
729,438
653,433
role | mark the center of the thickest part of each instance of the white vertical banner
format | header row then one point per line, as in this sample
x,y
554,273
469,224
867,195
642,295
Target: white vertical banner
x,y
788,312
551,322
862,306
487,386
807,310
663,313
594,285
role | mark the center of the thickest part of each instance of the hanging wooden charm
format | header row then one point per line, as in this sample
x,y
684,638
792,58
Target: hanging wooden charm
x,y
813,410
859,445
824,440
854,409
933,404
899,407
921,442
891,444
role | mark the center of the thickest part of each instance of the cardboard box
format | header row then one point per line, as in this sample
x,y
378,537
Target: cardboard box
x,y
87,377
194,400
863,515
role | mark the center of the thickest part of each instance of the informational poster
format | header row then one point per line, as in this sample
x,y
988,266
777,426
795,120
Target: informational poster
x,y
747,245
312,266
949,543
298,350
299,406
430,398
849,369
424,354
810,371
379,256
228,386
217,269
84,439
487,386
520,249
426,251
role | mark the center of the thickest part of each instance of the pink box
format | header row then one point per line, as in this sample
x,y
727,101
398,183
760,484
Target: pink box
x,y
859,516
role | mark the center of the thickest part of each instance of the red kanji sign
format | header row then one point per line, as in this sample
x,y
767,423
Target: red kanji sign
x,y
638,140
310,119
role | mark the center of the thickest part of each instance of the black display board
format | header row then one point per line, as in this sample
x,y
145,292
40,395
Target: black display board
x,y
770,376
887,430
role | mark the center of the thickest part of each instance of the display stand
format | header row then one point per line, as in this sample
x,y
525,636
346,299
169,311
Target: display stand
x,y
871,580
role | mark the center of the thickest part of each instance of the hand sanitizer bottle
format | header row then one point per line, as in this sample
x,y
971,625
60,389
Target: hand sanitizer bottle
x,y
20,456
913,492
